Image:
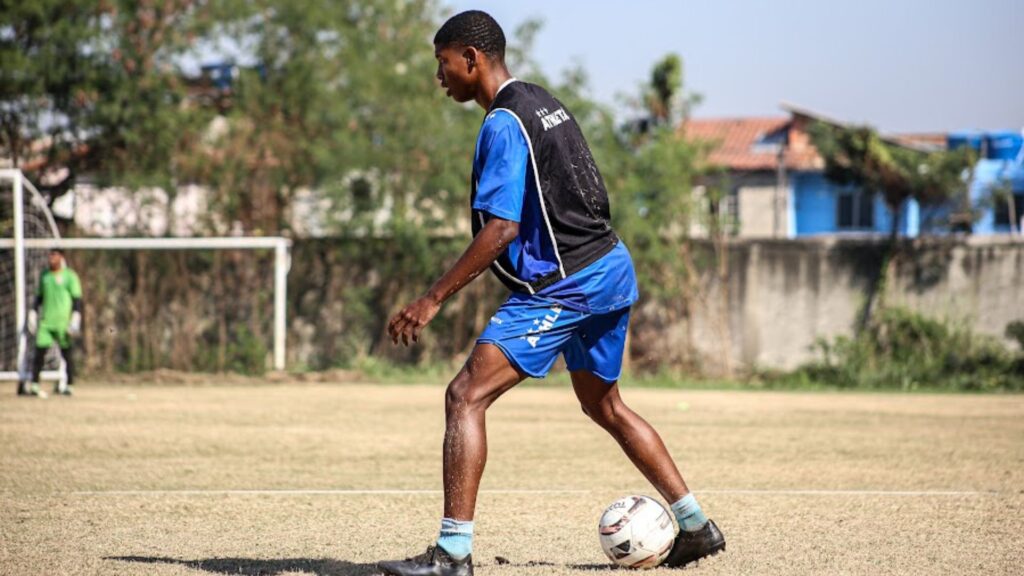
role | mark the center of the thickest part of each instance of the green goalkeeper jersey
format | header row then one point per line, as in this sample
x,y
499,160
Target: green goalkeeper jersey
x,y
58,290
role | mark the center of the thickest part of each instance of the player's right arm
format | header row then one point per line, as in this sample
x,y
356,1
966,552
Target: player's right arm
x,y
481,253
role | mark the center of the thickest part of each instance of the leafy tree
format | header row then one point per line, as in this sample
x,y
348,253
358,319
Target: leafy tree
x,y
665,191
858,156
89,85
345,104
333,99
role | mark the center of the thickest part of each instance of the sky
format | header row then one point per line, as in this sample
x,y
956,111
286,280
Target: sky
x,y
898,65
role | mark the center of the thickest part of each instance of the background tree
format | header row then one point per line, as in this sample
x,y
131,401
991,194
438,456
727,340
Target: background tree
x,y
665,193
334,110
91,86
858,156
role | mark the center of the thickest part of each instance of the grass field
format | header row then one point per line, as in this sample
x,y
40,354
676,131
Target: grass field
x,y
325,479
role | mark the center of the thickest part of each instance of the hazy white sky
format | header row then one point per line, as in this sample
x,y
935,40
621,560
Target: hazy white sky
x,y
900,65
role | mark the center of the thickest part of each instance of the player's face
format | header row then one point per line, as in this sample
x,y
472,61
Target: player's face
x,y
55,260
457,71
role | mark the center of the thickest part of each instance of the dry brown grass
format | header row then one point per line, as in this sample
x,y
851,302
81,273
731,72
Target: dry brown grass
x,y
63,458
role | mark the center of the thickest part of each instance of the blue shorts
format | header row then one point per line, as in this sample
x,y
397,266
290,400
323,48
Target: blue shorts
x,y
532,332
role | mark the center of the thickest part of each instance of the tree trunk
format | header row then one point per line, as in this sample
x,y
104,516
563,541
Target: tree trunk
x,y
876,293
1012,211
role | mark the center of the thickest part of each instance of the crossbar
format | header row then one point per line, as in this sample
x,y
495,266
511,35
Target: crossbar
x,y
210,243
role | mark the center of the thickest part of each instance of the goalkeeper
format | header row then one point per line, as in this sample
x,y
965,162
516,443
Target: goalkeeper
x,y
56,318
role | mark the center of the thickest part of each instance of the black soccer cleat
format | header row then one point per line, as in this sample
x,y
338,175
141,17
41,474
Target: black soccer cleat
x,y
434,562
692,546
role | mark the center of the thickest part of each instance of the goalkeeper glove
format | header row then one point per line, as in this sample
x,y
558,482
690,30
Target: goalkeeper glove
x,y
75,328
33,321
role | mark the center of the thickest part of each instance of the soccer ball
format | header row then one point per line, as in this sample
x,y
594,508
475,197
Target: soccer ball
x,y
636,532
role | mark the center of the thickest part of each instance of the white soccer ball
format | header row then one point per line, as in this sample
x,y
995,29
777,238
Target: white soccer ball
x,y
636,532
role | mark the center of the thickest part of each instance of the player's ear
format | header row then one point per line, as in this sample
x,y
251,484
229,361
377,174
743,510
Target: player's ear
x,y
472,57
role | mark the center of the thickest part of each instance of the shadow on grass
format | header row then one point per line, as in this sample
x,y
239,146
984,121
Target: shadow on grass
x,y
322,567
501,561
254,567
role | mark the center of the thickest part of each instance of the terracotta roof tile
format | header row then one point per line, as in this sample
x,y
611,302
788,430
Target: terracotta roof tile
x,y
736,143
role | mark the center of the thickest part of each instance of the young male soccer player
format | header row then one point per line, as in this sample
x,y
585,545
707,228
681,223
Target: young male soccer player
x,y
55,318
541,223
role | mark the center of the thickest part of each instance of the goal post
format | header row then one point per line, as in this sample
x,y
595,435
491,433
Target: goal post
x,y
24,215
21,243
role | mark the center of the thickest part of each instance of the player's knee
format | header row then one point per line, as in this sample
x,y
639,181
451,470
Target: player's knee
x,y
462,395
605,413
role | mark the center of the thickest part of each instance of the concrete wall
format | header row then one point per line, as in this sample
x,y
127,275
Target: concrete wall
x,y
151,309
784,295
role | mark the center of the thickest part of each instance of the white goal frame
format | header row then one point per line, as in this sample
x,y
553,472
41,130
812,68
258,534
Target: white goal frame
x,y
281,247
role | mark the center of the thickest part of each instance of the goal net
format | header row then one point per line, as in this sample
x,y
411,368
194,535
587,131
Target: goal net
x,y
210,304
24,215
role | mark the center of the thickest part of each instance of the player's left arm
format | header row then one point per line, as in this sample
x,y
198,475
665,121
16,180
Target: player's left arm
x,y
481,253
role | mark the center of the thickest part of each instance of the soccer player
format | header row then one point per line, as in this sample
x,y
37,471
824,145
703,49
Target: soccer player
x,y
56,318
541,222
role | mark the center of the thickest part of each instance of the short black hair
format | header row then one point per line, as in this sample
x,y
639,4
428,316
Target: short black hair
x,y
57,250
473,28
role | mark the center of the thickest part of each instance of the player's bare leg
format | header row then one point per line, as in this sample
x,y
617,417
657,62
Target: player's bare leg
x,y
698,537
641,443
486,375
484,378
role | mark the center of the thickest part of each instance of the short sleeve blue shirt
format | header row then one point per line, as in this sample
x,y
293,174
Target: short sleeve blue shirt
x,y
506,188
500,167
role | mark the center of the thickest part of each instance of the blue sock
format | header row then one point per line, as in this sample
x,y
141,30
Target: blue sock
x,y
456,538
688,514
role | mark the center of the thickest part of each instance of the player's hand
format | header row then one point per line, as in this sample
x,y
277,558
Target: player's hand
x,y
32,323
408,323
75,326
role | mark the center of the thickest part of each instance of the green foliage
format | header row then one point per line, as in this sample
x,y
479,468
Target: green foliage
x,y
655,207
666,82
90,85
347,105
244,353
907,351
335,100
858,156
1015,331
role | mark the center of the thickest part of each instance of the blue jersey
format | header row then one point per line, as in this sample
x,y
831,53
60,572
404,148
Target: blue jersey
x,y
506,187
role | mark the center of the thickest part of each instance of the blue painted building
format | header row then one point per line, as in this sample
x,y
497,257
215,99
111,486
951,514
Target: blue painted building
x,y
779,189
1000,170
822,207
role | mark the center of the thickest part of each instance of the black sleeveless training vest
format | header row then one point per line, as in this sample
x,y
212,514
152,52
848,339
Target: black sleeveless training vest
x,y
573,196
